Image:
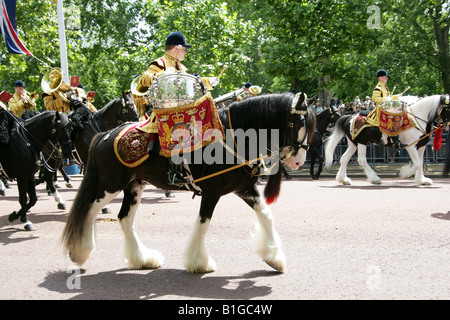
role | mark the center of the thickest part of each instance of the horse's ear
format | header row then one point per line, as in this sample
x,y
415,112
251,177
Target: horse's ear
x,y
310,101
299,100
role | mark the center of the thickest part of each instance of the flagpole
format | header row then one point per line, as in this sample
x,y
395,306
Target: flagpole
x,y
62,41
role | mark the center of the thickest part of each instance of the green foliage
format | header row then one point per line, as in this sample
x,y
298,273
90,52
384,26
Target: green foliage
x,y
279,45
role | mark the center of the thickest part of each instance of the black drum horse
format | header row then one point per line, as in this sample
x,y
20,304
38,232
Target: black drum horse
x,y
20,152
324,119
106,177
86,124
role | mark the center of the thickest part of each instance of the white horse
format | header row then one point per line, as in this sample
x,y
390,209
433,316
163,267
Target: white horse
x,y
423,112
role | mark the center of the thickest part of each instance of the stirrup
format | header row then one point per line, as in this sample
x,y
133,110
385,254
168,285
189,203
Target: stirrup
x,y
174,179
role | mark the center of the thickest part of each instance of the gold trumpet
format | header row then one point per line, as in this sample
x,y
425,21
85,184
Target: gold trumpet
x,y
138,89
30,98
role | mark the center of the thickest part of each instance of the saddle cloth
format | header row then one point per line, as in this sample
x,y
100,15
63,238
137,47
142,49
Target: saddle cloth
x,y
391,124
180,129
131,145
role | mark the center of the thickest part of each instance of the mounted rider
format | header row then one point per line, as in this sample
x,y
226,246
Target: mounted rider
x,y
58,95
380,95
21,100
171,62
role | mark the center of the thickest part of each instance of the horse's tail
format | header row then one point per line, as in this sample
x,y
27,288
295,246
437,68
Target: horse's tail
x,y
333,141
73,231
272,189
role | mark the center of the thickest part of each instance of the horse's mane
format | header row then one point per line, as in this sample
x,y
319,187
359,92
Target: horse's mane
x,y
268,111
424,104
101,111
6,125
80,117
265,111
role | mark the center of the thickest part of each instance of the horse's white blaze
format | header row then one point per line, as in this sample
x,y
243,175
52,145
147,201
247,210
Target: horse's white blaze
x,y
79,252
266,239
137,255
196,258
294,162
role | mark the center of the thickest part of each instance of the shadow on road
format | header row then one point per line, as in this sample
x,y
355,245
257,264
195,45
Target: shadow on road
x,y
127,284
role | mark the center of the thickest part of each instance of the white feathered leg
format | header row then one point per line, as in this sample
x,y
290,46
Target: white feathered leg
x,y
341,176
267,240
362,160
137,255
416,167
196,257
79,253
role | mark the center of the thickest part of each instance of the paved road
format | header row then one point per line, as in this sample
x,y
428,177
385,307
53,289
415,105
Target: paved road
x,y
355,242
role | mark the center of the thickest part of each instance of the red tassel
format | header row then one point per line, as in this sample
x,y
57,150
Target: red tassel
x,y
437,138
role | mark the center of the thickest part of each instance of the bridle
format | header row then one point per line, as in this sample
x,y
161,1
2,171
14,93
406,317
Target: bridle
x,y
55,143
121,113
293,144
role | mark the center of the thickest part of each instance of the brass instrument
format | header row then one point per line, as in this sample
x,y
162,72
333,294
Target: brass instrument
x,y
30,98
138,89
52,80
90,99
255,90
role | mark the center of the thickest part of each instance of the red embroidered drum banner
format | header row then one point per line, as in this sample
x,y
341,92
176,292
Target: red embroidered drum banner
x,y
392,124
189,127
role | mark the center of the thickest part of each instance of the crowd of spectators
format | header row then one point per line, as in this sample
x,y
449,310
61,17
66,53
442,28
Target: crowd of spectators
x,y
344,108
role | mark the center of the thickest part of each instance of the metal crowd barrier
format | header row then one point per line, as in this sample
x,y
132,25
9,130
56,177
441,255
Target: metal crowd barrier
x,y
383,159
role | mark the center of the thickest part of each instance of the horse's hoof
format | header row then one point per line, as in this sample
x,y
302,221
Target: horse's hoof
x,y
69,185
13,216
106,210
2,192
29,226
49,193
169,194
61,206
57,185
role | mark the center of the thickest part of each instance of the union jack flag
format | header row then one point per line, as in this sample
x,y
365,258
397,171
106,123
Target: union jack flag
x,y
8,28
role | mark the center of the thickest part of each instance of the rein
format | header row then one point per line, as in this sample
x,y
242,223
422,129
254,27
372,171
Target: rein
x,y
249,163
424,132
118,122
55,147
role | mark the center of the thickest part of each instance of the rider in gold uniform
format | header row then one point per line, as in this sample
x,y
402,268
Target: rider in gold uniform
x,y
20,102
380,94
65,97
